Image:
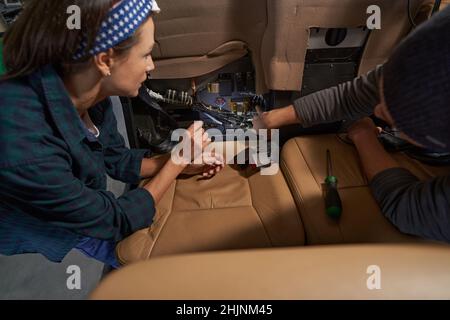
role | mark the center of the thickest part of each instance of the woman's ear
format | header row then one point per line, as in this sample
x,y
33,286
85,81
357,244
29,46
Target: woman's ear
x,y
103,62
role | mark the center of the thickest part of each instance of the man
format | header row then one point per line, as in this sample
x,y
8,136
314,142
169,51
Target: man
x,y
411,92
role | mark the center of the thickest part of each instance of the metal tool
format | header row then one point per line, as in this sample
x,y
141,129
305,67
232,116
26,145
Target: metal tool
x,y
333,204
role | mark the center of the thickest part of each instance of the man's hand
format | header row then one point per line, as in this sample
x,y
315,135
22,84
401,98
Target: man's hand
x,y
374,158
275,119
363,129
261,121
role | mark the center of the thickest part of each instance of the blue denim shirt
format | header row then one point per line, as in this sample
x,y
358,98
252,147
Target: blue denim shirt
x,y
53,176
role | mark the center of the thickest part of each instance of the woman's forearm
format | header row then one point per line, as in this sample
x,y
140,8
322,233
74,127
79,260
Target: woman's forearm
x,y
151,166
163,179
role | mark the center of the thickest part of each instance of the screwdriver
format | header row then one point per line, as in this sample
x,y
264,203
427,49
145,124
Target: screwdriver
x,y
333,204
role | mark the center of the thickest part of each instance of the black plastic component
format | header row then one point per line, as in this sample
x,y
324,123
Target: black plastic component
x,y
250,82
226,85
325,68
240,81
320,76
335,36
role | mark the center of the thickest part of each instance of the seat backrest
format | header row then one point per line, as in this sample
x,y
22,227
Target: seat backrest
x,y
197,37
289,21
326,272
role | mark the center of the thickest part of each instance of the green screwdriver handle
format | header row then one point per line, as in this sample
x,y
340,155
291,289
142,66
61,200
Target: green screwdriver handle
x,y
333,204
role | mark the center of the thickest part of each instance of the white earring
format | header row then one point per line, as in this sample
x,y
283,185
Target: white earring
x,y
108,73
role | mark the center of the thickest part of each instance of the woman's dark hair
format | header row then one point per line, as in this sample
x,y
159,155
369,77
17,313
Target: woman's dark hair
x,y
40,36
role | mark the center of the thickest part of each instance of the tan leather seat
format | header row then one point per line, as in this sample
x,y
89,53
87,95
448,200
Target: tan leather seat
x,y
194,38
408,271
275,33
303,163
234,210
243,209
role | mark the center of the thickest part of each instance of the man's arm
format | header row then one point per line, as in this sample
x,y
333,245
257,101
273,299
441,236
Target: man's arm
x,y
276,118
414,207
348,101
374,158
420,208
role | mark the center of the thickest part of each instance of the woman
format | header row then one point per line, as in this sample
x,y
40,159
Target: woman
x,y
59,135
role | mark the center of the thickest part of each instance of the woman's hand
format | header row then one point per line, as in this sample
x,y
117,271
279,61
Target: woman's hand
x,y
212,164
362,129
178,162
194,141
196,131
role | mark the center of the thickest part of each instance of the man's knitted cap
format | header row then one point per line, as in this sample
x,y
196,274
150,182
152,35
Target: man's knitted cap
x,y
417,83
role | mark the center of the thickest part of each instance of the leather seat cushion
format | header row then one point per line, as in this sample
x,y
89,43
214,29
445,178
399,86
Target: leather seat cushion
x,y
234,210
303,161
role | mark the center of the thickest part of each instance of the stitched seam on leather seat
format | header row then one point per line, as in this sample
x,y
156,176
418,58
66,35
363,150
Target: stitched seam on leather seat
x,y
163,224
297,194
213,209
320,187
307,164
257,213
287,179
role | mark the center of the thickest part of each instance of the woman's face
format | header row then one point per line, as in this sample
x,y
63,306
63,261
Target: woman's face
x,y
129,72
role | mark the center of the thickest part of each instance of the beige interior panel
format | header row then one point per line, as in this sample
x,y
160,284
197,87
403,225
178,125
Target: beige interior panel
x,y
195,28
286,38
408,271
275,32
395,26
192,67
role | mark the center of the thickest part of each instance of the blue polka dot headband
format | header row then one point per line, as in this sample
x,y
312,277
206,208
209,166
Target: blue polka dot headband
x,y
120,24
